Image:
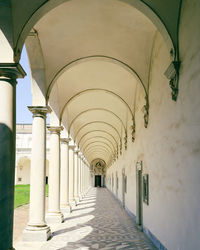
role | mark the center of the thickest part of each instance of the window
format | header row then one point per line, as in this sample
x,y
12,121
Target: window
x,y
19,179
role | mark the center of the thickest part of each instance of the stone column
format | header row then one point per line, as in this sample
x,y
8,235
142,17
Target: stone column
x,y
37,230
71,175
64,178
76,180
81,175
83,183
54,215
9,72
79,171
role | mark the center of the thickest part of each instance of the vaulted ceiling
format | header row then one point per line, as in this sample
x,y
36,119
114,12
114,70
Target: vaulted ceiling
x,y
94,56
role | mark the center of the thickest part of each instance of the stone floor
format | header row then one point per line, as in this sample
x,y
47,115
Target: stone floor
x,y
98,222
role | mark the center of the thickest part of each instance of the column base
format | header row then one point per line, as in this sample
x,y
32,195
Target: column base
x,y
77,200
66,209
36,233
52,218
72,203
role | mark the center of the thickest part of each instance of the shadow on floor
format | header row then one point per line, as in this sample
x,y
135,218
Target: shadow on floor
x,y
107,226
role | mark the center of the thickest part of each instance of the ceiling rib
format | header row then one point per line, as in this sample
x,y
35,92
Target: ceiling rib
x,y
93,109
93,122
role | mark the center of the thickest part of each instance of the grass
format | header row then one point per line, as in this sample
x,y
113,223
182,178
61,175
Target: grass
x,y
22,194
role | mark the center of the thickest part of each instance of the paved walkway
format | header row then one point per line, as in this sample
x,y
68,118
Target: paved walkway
x,y
98,222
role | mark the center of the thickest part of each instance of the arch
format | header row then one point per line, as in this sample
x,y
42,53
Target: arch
x,y
97,148
95,136
103,152
86,58
98,155
46,6
23,170
92,109
102,137
96,89
96,122
100,142
98,159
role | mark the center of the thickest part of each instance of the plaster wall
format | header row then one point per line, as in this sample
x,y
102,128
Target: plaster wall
x,y
170,146
23,172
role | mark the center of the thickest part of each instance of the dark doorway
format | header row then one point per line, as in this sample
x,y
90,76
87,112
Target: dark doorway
x,y
46,179
97,180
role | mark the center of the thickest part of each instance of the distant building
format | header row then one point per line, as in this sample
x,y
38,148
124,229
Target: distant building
x,y
23,154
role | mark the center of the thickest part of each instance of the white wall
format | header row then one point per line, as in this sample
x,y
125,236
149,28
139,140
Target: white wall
x,y
170,146
23,153
23,172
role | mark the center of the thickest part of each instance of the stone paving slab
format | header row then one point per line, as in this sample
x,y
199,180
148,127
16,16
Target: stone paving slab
x,y
98,222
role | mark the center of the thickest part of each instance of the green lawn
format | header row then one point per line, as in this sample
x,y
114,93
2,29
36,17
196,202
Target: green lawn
x,y
22,193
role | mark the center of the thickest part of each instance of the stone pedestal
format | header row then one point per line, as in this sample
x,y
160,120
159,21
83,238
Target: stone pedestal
x,y
32,233
37,230
54,214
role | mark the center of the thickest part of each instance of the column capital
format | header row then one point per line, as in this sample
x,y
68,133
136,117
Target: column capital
x,y
72,147
11,71
55,129
65,140
39,111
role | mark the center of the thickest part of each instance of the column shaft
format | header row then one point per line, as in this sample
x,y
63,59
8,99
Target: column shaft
x,y
64,180
79,171
7,160
8,75
76,176
71,175
38,173
54,215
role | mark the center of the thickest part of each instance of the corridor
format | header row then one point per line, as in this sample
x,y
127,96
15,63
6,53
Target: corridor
x,y
98,222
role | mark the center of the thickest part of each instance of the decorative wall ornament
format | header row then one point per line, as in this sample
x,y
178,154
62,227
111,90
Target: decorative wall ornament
x,y
125,140
133,130
145,111
172,73
120,149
